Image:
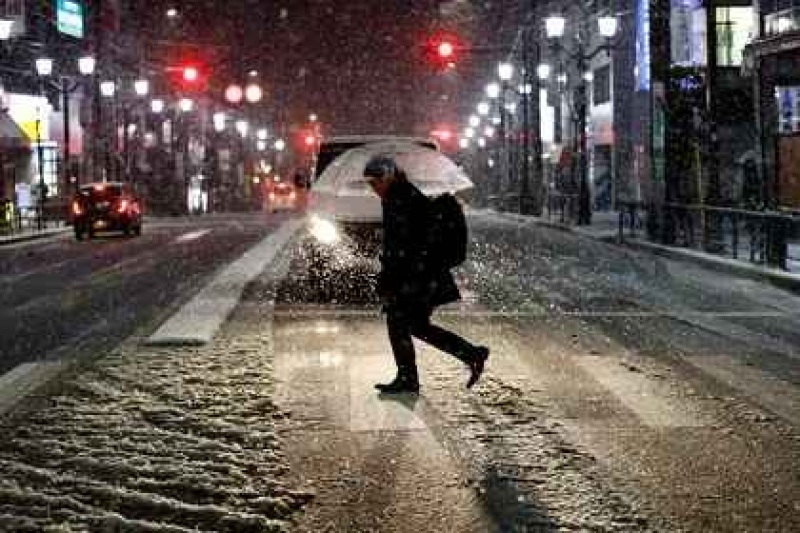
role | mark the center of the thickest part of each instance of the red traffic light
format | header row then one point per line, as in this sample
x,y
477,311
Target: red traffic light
x,y
442,50
446,49
190,74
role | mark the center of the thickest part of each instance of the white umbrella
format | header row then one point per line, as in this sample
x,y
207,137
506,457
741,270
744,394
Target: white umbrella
x,y
342,193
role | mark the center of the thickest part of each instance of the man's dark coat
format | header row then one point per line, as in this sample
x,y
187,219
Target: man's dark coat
x,y
409,280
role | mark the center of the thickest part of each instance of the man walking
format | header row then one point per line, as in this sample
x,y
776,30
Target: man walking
x,y
410,284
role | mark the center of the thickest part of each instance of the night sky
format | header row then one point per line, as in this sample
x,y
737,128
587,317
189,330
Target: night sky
x,y
358,65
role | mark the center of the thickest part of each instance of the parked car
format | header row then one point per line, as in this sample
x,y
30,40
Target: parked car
x,y
107,206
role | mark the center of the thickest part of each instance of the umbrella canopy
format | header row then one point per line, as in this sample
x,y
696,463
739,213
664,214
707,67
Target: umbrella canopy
x,y
342,193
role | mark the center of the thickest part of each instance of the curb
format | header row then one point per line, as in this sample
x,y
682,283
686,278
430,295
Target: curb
x,y
784,280
15,239
29,379
779,278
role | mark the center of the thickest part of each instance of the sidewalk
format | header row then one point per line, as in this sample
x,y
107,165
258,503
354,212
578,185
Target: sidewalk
x,y
605,227
29,234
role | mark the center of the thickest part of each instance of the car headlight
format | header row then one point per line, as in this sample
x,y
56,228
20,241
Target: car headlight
x,y
323,230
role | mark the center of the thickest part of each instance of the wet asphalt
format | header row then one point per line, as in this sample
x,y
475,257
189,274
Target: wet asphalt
x,y
624,393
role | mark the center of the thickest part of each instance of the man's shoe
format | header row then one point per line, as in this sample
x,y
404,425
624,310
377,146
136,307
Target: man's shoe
x,y
400,385
476,365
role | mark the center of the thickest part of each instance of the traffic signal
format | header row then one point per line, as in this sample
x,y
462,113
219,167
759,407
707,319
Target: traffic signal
x,y
442,51
189,76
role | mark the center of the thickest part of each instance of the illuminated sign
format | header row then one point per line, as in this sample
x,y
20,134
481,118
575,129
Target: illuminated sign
x,y
642,45
788,109
69,17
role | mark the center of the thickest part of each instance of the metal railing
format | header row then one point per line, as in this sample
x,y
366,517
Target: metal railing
x,y
784,21
562,206
761,237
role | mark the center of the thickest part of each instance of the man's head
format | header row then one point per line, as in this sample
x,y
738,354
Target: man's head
x,y
380,172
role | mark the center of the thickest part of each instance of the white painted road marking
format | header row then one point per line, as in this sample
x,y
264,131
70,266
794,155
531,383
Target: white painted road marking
x,y
24,379
197,322
186,237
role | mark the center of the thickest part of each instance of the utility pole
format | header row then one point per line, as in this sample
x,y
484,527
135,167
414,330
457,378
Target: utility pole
x,y
98,142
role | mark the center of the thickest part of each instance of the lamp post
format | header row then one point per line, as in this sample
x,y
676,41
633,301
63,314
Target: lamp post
x,y
555,27
493,92
44,70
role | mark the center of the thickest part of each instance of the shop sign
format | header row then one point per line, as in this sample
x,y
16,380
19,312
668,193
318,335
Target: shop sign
x,y
69,18
788,109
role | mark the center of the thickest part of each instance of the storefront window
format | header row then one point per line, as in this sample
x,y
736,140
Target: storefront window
x,y
734,32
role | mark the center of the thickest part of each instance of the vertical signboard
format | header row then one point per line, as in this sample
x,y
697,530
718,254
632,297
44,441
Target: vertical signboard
x,y
642,45
69,18
788,109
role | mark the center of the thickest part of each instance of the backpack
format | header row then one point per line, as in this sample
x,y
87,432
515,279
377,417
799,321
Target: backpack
x,y
448,235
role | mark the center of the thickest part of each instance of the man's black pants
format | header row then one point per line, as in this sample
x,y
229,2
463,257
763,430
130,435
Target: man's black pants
x,y
403,323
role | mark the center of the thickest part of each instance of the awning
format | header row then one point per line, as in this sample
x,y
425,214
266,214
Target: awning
x,y
11,135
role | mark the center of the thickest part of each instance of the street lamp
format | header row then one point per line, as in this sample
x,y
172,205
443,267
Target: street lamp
x,y
607,26
555,26
253,93
463,143
219,120
141,87
505,71
87,65
44,69
474,121
493,90
242,127
280,145
6,28
543,71
186,105
157,106
469,133
44,66
483,109
108,89
262,134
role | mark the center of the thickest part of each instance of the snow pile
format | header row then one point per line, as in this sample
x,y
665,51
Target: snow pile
x,y
160,440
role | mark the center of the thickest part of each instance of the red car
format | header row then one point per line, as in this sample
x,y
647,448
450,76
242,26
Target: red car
x,y
111,206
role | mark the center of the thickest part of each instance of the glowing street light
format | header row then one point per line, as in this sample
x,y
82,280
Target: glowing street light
x,y
87,65
44,66
219,120
108,88
555,26
607,26
505,71
280,145
543,70
157,106
141,87
483,109
474,121
262,134
186,105
242,127
6,27
253,93
493,90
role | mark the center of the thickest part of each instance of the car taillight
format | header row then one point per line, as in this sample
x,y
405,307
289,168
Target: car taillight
x,y
76,208
123,206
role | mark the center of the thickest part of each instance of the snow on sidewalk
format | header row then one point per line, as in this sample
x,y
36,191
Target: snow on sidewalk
x,y
153,439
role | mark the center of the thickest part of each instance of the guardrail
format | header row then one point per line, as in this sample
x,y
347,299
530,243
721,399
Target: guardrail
x,y
763,237
562,206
